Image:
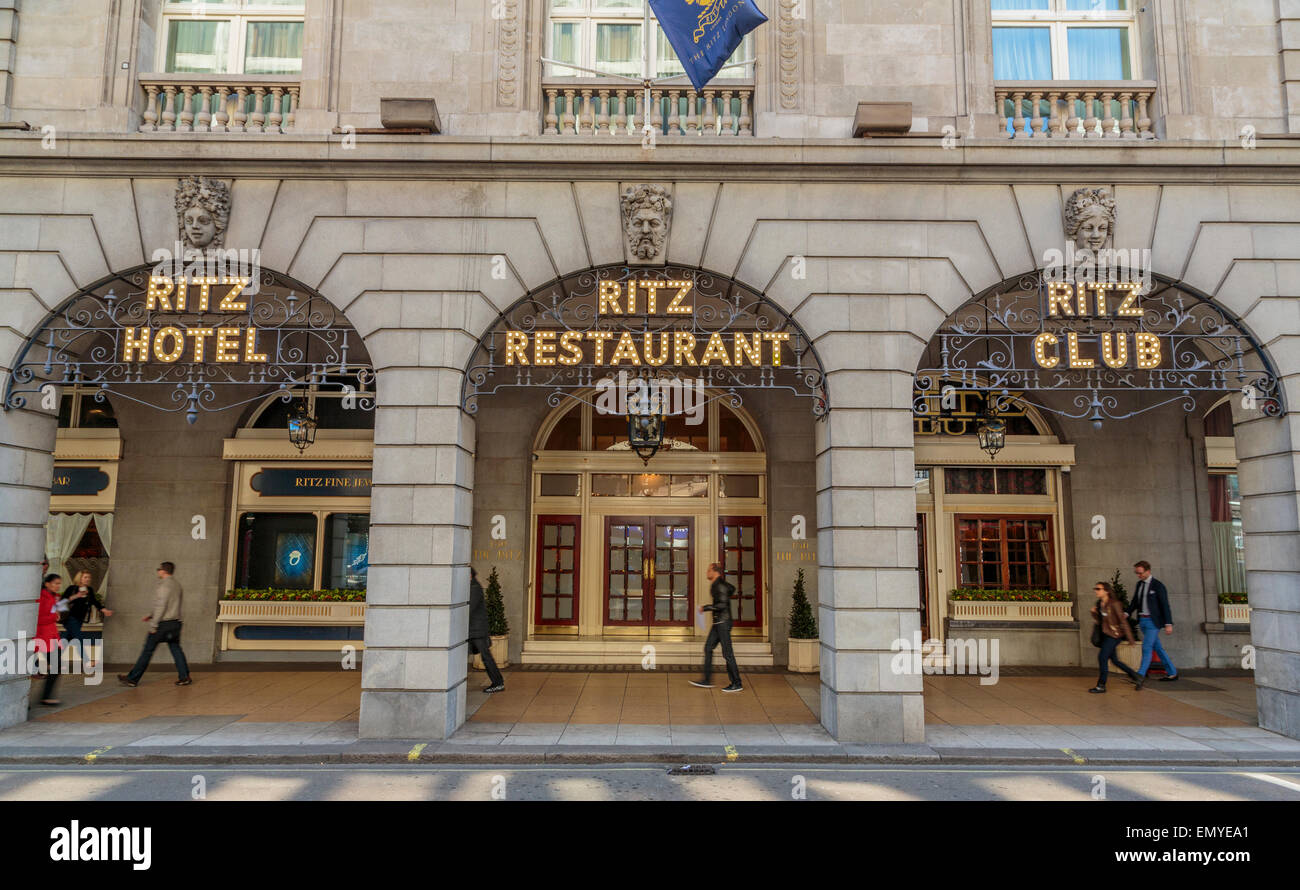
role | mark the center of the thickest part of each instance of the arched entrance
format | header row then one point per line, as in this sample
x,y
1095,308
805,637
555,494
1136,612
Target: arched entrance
x,y
1119,464
173,357
601,551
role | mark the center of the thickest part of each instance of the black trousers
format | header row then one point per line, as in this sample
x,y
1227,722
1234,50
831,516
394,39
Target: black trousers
x,y
721,633
168,632
482,646
1107,653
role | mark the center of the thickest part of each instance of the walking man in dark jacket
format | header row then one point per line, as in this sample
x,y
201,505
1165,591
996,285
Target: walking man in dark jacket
x,y
1151,606
721,592
480,636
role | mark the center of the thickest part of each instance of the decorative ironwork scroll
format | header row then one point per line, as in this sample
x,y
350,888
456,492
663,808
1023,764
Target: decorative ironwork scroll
x,y
707,328
1038,334
173,344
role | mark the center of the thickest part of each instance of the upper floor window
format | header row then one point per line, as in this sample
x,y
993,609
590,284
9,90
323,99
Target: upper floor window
x,y
233,36
79,409
1063,39
606,35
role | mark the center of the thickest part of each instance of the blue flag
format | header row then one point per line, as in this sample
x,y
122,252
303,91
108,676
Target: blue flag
x,y
704,33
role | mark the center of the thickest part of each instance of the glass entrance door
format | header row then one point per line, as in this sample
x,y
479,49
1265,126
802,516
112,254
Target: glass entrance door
x,y
649,571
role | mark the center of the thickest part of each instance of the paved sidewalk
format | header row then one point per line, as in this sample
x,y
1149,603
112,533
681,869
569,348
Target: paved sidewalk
x,y
217,739
236,715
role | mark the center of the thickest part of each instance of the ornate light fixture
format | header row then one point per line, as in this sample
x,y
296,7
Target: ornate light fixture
x,y
302,427
645,425
992,431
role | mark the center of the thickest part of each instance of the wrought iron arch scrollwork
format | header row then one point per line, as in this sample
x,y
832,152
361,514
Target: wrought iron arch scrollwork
x,y
720,305
304,339
989,344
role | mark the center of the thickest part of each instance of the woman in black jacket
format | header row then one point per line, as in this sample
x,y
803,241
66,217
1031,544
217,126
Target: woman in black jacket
x,y
80,597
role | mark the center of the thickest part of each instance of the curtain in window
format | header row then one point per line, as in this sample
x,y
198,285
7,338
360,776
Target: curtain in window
x,y
63,532
1022,54
1229,558
197,46
564,46
104,525
1220,509
618,49
273,48
1098,53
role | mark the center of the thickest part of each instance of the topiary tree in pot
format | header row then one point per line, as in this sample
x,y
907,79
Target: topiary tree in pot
x,y
498,626
805,649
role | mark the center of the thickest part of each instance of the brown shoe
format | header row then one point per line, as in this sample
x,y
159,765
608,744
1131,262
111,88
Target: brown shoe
x,y
186,682
126,681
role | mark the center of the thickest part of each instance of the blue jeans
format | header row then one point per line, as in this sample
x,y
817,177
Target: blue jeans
x,y
1151,640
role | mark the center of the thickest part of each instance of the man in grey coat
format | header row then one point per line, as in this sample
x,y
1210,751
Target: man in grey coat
x,y
164,627
480,635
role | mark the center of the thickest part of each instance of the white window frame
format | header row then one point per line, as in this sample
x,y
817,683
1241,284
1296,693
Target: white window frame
x,y
1057,19
590,13
239,13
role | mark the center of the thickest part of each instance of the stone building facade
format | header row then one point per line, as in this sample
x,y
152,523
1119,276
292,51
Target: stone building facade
x,y
425,241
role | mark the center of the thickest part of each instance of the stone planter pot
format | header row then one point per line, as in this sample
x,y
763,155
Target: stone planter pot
x,y
500,653
1130,654
805,656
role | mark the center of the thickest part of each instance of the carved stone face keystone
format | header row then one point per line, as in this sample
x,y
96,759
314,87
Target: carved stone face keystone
x,y
202,212
1090,218
647,214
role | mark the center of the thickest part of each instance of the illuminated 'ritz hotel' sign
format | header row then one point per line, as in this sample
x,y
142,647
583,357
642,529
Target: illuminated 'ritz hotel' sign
x,y
229,343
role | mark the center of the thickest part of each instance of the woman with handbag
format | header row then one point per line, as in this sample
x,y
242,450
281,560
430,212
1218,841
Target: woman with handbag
x,y
81,597
1111,627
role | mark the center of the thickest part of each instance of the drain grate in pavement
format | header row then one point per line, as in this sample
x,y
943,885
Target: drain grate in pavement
x,y
694,769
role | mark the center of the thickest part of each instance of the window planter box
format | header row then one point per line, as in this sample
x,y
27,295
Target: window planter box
x,y
1009,610
1234,613
232,614
805,656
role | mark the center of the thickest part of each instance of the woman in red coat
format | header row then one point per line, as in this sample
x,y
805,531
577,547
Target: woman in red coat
x,y
47,632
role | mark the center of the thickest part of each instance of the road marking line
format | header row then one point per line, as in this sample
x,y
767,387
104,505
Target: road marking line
x,y
414,753
90,758
731,752
1275,781
1075,757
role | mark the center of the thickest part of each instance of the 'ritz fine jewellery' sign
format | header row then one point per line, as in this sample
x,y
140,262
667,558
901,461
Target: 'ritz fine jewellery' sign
x,y
663,324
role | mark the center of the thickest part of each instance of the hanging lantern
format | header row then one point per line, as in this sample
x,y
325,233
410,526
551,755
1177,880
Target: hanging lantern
x,y
302,427
645,425
992,432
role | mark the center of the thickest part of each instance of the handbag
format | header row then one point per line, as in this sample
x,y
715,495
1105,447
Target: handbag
x,y
1096,635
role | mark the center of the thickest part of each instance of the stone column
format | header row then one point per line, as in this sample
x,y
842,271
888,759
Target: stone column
x,y
1267,468
417,614
867,584
26,468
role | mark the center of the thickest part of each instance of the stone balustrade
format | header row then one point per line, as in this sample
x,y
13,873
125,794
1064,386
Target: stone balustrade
x,y
218,103
587,106
1061,109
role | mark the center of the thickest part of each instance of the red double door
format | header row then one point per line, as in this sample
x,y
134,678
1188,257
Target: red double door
x,y
648,570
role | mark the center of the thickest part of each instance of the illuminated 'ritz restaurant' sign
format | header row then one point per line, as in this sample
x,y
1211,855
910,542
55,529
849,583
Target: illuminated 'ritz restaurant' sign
x,y
667,299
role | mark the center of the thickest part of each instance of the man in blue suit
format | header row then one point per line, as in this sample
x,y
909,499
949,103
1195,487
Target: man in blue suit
x,y
1151,606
